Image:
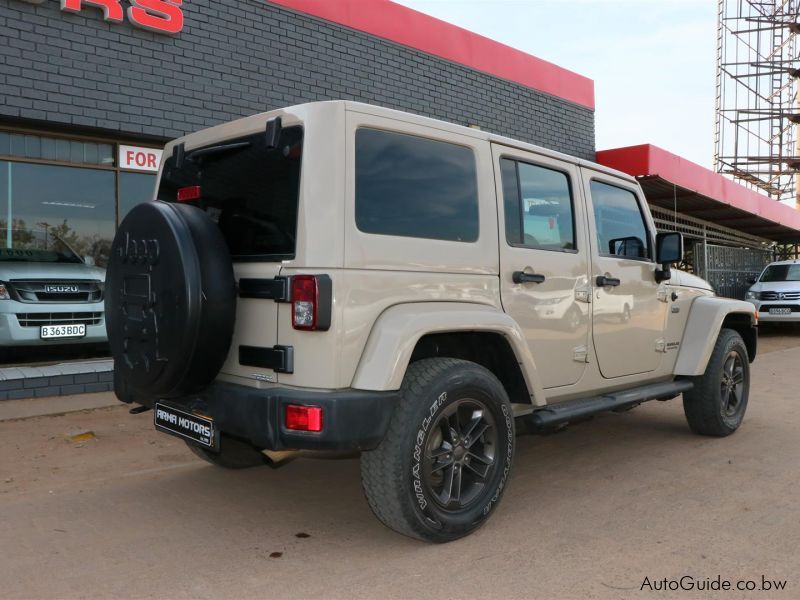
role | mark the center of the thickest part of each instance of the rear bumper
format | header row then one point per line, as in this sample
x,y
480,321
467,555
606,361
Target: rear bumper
x,y
352,419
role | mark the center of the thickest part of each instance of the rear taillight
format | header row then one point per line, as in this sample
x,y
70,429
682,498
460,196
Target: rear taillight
x,y
303,418
311,302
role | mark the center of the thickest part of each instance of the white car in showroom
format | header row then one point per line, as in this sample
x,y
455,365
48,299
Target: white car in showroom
x,y
776,292
49,295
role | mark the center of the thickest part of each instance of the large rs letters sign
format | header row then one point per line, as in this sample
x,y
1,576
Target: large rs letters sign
x,y
161,16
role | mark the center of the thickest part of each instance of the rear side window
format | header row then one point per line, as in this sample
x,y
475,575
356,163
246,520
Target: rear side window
x,y
621,230
415,187
249,190
538,206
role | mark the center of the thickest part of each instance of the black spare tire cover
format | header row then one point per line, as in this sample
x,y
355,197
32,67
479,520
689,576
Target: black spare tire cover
x,y
170,301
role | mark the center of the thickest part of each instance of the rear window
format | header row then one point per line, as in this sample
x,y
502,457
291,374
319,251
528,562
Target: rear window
x,y
249,190
415,187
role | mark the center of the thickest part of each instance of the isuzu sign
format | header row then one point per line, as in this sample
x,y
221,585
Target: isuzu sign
x,y
161,16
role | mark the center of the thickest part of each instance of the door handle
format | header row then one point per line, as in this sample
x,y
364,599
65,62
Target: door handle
x,y
603,281
523,277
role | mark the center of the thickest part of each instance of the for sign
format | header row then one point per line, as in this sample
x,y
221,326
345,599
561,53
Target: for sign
x,y
136,158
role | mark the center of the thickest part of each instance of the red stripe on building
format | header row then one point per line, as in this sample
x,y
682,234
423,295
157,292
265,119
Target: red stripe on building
x,y
408,27
647,160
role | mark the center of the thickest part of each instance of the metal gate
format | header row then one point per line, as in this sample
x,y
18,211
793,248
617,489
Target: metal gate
x,y
728,269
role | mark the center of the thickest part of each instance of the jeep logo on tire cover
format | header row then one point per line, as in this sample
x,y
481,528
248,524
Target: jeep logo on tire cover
x,y
170,300
139,250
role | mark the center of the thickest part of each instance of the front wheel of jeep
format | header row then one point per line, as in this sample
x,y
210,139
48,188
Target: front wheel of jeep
x,y
717,404
444,463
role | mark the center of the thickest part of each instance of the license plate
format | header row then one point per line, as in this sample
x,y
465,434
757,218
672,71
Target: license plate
x,y
186,425
62,331
780,311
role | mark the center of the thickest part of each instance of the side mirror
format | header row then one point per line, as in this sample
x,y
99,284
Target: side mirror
x,y
88,261
669,250
751,280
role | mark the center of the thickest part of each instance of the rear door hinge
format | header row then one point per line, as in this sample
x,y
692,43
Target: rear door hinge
x,y
277,289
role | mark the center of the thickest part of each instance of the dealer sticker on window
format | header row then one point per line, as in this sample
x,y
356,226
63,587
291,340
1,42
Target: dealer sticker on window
x,y
195,428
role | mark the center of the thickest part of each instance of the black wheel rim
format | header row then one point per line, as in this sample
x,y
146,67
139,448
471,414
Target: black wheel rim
x,y
732,384
460,454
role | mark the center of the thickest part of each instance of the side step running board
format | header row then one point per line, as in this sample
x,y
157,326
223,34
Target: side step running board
x,y
559,414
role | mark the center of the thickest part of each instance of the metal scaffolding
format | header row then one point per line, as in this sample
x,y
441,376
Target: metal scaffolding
x,y
757,111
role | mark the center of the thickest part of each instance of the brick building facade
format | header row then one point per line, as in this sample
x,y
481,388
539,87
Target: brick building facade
x,y
232,59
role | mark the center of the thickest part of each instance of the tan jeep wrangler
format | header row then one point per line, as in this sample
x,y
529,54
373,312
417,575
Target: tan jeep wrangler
x,y
337,276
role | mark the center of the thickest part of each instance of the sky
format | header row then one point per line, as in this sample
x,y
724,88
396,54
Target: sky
x,y
652,62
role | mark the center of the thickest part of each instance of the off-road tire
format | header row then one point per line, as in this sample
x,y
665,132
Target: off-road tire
x,y
705,406
395,476
233,454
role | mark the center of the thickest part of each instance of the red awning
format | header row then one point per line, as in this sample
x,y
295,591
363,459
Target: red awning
x,y
702,193
403,25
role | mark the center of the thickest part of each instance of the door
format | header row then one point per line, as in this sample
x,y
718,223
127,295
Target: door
x,y
544,260
251,191
627,313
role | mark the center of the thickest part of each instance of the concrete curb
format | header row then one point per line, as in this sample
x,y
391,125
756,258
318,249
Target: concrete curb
x,y
64,379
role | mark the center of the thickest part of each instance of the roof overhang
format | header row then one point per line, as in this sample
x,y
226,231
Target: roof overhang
x,y
408,27
670,181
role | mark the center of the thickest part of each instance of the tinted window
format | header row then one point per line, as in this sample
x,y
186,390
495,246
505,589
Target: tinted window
x,y
620,225
249,190
781,273
415,187
36,146
538,206
133,189
48,203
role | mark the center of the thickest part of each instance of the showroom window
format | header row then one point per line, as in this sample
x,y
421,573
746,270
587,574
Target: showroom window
x,y
73,190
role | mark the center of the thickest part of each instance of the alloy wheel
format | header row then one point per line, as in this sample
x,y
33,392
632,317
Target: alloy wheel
x,y
460,454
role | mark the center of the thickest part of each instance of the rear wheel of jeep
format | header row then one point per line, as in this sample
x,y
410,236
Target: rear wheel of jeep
x,y
445,461
233,454
717,404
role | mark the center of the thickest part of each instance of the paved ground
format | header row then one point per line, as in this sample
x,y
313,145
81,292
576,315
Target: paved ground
x,y
589,513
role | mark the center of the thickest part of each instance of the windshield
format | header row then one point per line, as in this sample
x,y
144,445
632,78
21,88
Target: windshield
x,y
22,245
250,190
781,273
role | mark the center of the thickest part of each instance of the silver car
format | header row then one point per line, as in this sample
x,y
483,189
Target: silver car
x,y
776,292
49,295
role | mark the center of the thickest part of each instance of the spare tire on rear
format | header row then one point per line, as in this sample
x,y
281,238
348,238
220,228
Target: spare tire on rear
x,y
170,301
